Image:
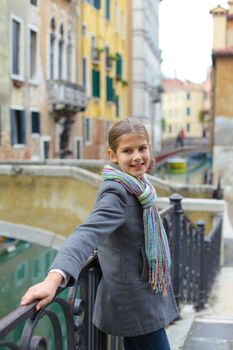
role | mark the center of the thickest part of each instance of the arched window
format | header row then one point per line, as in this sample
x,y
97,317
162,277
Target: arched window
x,y
52,46
69,57
61,52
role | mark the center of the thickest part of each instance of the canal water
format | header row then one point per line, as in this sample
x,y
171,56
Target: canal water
x,y
198,171
26,265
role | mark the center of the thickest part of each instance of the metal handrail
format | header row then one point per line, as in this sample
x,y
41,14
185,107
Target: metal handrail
x,y
195,263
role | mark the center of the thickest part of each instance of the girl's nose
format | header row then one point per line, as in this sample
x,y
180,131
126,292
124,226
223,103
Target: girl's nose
x,y
136,156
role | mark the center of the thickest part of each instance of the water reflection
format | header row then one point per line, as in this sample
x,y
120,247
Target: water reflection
x,y
26,265
198,171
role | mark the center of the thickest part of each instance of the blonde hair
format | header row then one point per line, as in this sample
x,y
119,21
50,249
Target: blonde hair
x,y
126,126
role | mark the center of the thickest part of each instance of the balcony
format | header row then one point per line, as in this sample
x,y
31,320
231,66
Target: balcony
x,y
64,96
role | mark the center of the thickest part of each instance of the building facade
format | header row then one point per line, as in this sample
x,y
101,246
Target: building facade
x,y
145,71
105,73
182,103
222,57
39,94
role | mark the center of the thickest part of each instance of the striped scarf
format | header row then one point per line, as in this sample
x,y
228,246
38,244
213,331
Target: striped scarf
x,y
156,243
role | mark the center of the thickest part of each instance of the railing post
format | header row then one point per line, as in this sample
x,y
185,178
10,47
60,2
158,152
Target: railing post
x,y
175,200
201,290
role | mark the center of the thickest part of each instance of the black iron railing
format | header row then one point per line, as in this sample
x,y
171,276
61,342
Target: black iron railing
x,y
195,263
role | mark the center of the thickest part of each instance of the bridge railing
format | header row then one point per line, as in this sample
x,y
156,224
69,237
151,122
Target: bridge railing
x,y
195,263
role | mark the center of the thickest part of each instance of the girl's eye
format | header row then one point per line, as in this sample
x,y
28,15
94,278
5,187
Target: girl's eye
x,y
125,151
143,148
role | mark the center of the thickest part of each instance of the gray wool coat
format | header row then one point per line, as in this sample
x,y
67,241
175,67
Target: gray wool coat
x,y
125,304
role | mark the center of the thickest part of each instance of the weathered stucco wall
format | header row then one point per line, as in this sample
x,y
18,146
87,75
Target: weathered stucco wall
x,y
52,203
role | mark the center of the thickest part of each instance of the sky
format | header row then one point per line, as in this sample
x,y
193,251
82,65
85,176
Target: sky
x,y
186,36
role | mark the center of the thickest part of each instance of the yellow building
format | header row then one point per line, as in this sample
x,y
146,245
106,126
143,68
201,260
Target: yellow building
x,y
181,106
105,73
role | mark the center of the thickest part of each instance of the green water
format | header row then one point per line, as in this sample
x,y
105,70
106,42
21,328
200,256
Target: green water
x,y
27,265
194,174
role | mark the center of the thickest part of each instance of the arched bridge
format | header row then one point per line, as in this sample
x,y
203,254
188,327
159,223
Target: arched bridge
x,y
169,152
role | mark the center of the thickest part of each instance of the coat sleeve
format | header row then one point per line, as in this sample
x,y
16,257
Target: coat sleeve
x,y
109,213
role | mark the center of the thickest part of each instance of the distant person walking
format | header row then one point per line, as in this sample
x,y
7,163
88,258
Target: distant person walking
x,y
180,138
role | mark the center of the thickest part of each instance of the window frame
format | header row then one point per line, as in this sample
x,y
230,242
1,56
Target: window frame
x,y
32,110
35,79
76,140
14,132
88,140
20,75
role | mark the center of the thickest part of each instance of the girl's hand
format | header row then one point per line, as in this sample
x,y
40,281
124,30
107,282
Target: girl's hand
x,y
43,291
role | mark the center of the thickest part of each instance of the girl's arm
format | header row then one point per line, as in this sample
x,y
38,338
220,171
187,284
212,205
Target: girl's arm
x,y
110,213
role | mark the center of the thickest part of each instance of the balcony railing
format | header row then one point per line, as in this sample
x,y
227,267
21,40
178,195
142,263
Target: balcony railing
x,y
64,95
195,263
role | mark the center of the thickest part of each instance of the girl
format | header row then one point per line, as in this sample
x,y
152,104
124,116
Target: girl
x,y
133,251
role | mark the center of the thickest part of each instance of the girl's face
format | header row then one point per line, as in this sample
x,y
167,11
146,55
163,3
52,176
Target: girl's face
x,y
132,154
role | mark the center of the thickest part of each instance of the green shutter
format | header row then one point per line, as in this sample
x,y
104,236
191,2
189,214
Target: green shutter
x,y
110,90
117,105
97,4
95,83
119,66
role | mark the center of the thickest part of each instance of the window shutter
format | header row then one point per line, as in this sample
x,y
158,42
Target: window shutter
x,y
110,91
12,116
95,83
119,66
97,4
117,105
107,9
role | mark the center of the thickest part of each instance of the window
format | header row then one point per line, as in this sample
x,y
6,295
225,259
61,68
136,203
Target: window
x,y
188,127
95,83
188,111
188,95
109,89
170,128
85,81
35,122
107,9
94,52
119,66
61,53
52,47
33,53
46,149
16,47
78,148
84,30
116,18
123,25
87,130
108,61
17,126
117,105
95,3
33,2
69,58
